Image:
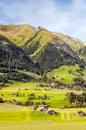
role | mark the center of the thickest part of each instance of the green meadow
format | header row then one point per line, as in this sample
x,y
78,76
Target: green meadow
x,y
57,96
21,117
66,74
15,117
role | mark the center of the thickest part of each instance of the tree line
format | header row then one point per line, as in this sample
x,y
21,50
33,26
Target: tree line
x,y
76,100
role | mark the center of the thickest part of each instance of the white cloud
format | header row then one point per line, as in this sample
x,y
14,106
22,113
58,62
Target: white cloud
x,y
70,19
77,19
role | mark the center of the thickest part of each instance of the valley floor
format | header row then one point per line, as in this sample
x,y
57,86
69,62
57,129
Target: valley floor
x,y
42,125
18,117
21,118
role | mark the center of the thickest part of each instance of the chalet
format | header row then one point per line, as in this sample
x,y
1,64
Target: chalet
x,y
51,112
81,113
44,108
54,85
34,107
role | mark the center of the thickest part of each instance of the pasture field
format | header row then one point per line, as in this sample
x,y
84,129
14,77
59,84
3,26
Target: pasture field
x,y
16,117
57,96
42,125
66,74
20,117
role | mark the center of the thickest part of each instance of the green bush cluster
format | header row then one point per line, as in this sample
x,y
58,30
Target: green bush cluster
x,y
76,100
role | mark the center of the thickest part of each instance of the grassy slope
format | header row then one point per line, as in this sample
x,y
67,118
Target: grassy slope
x,y
63,75
18,34
75,44
44,37
36,76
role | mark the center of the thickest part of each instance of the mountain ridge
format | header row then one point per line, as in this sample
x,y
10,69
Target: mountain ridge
x,y
43,46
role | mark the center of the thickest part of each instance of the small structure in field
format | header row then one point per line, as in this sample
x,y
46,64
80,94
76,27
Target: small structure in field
x,y
1,95
18,103
44,108
81,113
54,85
34,107
13,101
51,112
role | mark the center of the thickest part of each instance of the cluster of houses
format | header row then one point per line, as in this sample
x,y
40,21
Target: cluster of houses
x,y
44,108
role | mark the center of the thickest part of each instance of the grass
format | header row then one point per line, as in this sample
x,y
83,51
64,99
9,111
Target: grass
x,y
1,73
36,76
66,74
44,37
12,116
84,72
15,117
17,114
14,113
21,117
57,97
18,34
42,125
46,126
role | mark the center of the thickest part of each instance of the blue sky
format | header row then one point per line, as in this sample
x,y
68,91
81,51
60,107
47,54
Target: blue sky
x,y
66,16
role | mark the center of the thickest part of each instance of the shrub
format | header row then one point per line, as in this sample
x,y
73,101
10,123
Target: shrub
x,y
1,100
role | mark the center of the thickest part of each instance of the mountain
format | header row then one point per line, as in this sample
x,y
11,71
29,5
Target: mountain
x,y
75,44
50,50
46,49
12,56
14,63
23,34
17,34
82,53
